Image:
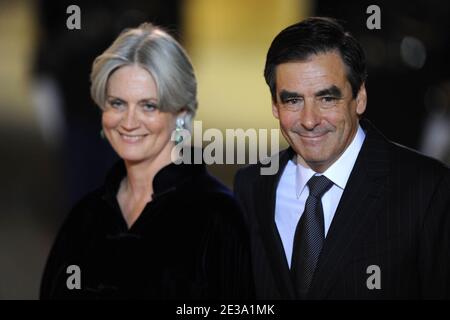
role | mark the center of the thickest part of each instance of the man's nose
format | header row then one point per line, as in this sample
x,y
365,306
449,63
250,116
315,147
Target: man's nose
x,y
309,116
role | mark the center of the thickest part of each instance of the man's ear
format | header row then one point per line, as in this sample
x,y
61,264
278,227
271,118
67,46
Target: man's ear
x,y
275,109
361,100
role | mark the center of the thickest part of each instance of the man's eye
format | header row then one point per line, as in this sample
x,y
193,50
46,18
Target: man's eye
x,y
329,99
293,101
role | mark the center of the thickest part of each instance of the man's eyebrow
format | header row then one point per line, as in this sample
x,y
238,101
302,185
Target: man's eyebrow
x,y
284,95
331,91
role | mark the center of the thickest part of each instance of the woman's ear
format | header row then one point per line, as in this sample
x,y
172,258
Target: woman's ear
x,y
181,113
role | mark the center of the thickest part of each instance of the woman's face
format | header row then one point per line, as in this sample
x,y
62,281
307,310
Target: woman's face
x,y
132,122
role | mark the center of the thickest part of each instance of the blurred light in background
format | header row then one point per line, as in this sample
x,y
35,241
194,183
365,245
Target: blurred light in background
x,y
413,52
24,160
228,41
18,39
436,138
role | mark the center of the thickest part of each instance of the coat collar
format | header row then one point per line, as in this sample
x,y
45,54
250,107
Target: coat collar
x,y
167,179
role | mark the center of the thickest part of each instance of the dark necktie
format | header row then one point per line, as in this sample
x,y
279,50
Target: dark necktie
x,y
309,236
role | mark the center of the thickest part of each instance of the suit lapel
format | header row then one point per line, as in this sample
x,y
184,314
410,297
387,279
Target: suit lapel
x,y
358,203
269,232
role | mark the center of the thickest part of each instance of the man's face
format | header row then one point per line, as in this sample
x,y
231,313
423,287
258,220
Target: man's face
x,y
317,112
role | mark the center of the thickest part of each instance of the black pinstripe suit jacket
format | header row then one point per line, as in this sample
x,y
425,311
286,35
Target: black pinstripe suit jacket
x,y
394,214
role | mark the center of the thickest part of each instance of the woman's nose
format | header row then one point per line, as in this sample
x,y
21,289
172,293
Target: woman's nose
x,y
130,122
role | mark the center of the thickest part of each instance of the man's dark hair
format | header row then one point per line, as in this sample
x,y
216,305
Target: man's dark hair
x,y
314,36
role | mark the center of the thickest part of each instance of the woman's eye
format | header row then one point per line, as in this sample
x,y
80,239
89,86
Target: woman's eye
x,y
149,107
116,104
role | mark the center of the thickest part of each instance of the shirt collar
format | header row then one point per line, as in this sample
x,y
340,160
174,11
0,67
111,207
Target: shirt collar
x,y
339,171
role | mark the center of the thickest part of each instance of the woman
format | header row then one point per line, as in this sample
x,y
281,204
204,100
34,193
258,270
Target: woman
x,y
155,229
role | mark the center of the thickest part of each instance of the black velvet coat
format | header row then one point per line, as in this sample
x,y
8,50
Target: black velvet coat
x,y
188,243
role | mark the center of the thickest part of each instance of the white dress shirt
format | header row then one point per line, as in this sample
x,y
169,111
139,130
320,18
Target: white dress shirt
x,y
292,192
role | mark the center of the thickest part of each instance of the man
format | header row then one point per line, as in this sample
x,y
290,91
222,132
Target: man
x,y
349,215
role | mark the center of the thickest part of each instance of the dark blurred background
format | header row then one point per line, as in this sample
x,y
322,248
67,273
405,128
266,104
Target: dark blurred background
x,y
52,153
